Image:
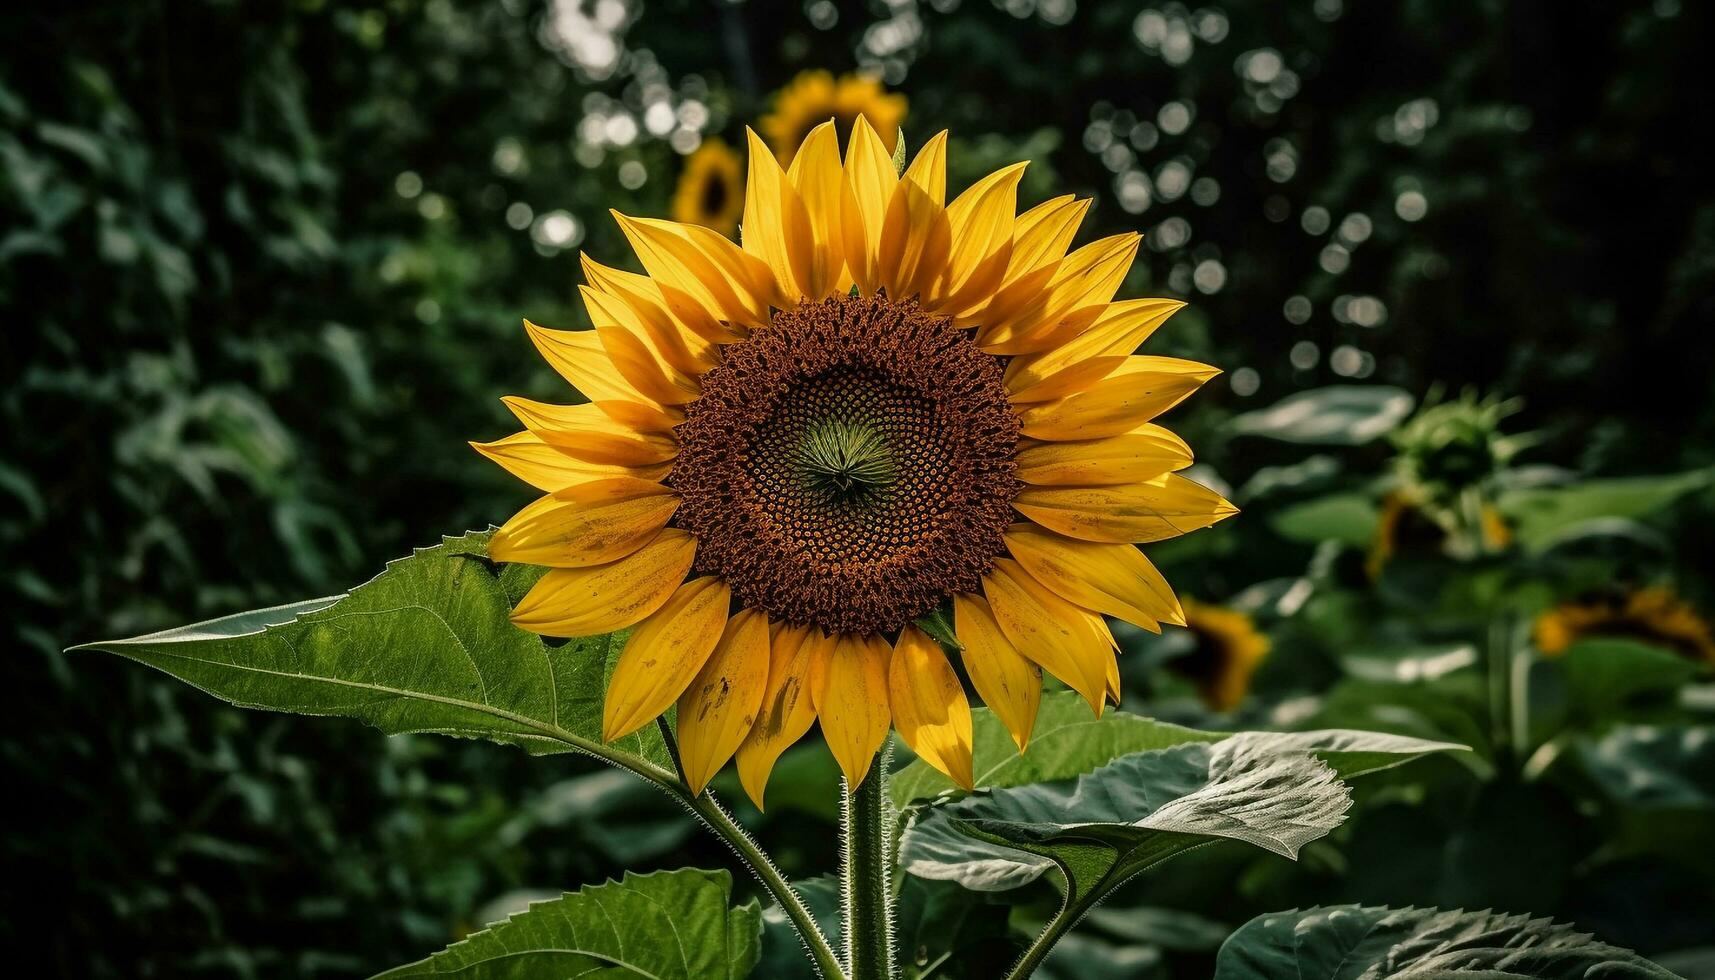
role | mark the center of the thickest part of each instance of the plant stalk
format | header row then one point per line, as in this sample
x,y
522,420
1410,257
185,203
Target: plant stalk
x,y
1057,927
866,867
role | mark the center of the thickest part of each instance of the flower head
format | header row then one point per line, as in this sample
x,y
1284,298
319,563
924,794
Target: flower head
x,y
711,188
879,407
1653,615
1228,647
813,96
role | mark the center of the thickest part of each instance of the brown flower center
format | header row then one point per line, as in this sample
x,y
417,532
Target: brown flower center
x,y
850,465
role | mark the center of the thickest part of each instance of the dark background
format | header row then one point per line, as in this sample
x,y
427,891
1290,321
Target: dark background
x,y
259,287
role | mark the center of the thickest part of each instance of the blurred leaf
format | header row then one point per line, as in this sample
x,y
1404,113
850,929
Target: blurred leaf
x,y
1604,673
1077,957
423,647
1340,415
1543,516
1348,941
782,951
666,925
1349,518
1410,665
1654,767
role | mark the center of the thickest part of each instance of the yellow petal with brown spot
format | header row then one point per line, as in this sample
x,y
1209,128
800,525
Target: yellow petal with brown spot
x,y
1008,682
929,706
788,709
1054,633
604,598
1109,578
1162,508
720,707
663,655
588,524
850,685
1133,457
546,468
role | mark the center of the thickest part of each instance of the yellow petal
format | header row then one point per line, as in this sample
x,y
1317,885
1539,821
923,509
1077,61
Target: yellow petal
x,y
1054,633
915,233
633,354
588,433
544,467
1040,238
1135,392
1109,578
1119,330
588,601
870,180
1162,508
719,708
981,221
588,524
1008,682
647,313
1076,296
1133,457
818,178
929,706
578,356
788,709
642,416
1113,674
672,257
776,226
663,655
851,701
751,281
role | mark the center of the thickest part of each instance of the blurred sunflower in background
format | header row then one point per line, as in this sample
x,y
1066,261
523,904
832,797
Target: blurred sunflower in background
x,y
814,96
1228,648
1409,524
835,430
1654,615
710,191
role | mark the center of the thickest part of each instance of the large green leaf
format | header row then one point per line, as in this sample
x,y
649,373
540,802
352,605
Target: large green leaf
x,y
1544,516
670,925
1349,518
1070,741
1350,942
423,647
1128,815
1339,415
1655,766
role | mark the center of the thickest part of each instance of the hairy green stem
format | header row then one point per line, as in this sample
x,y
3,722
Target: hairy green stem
x,y
722,825
866,868
1057,927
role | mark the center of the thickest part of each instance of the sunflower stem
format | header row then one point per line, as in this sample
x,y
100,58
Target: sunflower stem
x,y
866,869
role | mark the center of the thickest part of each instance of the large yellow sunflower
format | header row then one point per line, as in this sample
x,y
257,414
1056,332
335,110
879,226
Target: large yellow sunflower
x,y
879,407
711,188
813,96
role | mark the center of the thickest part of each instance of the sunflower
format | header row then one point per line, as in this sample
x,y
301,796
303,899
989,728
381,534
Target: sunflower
x,y
813,96
1654,615
1409,526
879,408
711,188
1228,649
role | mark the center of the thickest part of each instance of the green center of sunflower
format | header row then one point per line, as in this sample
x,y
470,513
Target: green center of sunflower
x,y
845,461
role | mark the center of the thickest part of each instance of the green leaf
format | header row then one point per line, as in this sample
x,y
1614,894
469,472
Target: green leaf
x,y
1544,516
1340,415
782,951
423,647
1347,942
899,152
1069,741
1349,518
1604,673
1130,815
1655,767
1276,791
669,925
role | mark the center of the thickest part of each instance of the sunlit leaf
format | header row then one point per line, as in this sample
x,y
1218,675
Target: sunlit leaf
x,y
670,925
1341,415
1347,942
